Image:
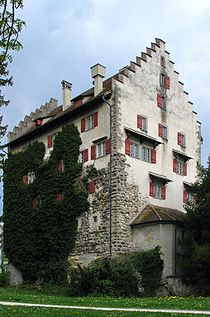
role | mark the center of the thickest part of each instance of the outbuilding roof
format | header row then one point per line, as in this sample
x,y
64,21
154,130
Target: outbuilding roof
x,y
157,214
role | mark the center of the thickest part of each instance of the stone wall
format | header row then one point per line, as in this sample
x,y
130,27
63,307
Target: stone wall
x,y
93,235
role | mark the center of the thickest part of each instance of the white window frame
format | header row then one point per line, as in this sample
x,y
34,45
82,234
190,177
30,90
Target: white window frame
x,y
190,197
144,123
165,132
31,177
183,141
101,149
179,166
89,122
134,149
157,190
146,153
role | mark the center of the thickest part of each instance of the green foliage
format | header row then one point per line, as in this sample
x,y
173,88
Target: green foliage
x,y
4,279
127,275
150,265
38,240
196,264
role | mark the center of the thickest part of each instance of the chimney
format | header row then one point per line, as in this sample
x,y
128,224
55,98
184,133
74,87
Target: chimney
x,y
98,73
66,87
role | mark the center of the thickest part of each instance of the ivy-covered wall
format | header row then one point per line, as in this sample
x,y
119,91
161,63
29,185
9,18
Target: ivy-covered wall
x,y
40,218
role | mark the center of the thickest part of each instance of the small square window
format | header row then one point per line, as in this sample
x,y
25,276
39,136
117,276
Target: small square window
x,y
95,219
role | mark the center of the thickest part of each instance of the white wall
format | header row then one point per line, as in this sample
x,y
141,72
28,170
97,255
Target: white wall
x,y
138,95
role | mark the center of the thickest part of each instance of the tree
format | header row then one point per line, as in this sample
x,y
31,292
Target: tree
x,y
197,260
10,27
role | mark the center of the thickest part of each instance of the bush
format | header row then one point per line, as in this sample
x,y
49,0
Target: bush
x,y
4,279
127,275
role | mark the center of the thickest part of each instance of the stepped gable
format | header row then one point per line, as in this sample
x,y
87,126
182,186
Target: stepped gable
x,y
143,59
27,124
153,214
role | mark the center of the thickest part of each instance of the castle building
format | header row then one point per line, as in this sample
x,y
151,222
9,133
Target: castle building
x,y
139,130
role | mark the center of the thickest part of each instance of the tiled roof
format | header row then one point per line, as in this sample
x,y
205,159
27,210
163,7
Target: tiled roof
x,y
153,213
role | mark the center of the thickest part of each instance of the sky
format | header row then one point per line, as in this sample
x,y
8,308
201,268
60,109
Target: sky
x,y
64,38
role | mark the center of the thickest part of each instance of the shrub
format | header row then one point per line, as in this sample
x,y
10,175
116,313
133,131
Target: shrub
x,y
4,279
126,275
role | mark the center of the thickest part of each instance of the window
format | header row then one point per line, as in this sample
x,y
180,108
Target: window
x,y
31,177
59,196
162,61
180,166
49,141
143,152
89,122
157,190
134,150
84,156
36,202
162,131
142,123
164,81
101,149
146,154
38,122
61,166
181,139
189,197
161,101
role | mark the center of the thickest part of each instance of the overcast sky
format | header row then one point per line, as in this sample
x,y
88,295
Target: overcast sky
x,y
64,38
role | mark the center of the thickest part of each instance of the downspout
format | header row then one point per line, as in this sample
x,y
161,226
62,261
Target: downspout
x,y
110,179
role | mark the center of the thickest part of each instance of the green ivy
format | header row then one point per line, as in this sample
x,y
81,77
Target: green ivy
x,y
38,240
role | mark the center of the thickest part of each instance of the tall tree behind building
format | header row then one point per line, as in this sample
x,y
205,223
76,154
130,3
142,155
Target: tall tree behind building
x,y
10,28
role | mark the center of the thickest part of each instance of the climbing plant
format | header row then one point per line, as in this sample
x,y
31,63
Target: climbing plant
x,y
40,218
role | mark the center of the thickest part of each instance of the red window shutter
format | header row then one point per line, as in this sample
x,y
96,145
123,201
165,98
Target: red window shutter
x,y
95,119
127,146
160,130
185,169
49,141
85,155
151,189
153,156
59,196
167,82
159,100
194,199
179,138
78,102
60,167
25,179
163,193
34,203
184,196
93,152
139,121
174,165
91,186
108,146
82,125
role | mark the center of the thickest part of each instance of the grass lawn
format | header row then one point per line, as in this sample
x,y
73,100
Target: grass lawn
x,y
50,296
